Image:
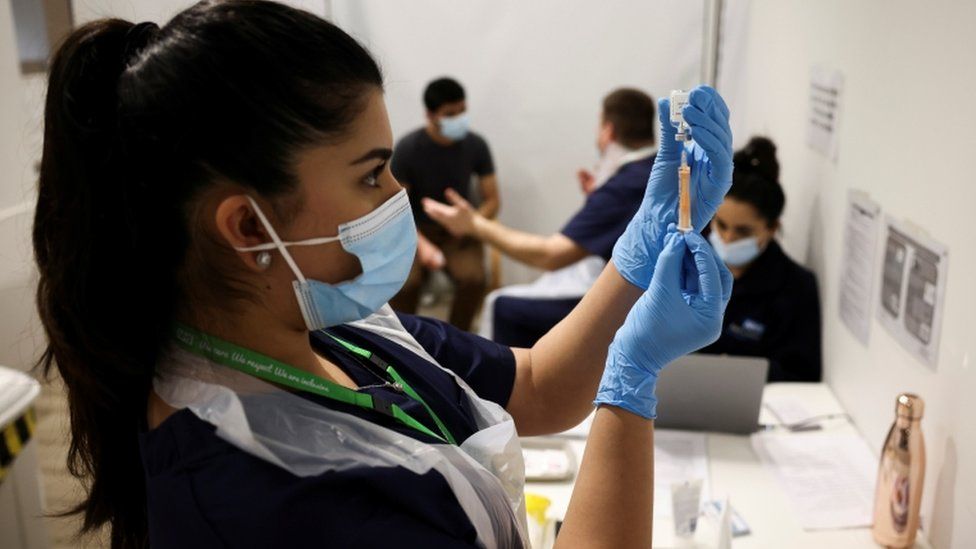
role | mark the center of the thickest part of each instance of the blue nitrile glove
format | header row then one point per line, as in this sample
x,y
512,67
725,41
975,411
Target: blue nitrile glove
x,y
710,159
680,312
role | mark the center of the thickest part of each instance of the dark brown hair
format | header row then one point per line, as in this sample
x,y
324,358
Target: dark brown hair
x,y
138,121
632,114
756,179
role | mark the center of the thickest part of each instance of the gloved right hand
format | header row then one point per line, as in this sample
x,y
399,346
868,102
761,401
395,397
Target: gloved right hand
x,y
710,159
680,312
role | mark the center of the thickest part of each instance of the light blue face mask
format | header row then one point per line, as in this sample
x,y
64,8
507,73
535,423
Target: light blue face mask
x,y
735,254
454,127
384,240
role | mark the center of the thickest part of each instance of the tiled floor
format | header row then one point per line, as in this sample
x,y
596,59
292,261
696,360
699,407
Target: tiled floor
x,y
61,490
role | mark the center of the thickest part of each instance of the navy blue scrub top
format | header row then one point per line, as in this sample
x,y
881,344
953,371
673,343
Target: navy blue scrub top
x,y
774,312
521,321
205,492
608,210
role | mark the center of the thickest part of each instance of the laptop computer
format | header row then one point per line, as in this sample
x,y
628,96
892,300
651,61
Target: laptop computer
x,y
718,393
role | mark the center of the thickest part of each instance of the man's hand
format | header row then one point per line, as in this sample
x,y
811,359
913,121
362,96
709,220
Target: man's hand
x,y
458,218
430,256
587,181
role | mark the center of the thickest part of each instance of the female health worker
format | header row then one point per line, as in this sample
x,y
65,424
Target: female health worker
x,y
775,308
217,234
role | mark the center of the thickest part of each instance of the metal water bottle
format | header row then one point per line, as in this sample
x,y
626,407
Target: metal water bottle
x,y
900,476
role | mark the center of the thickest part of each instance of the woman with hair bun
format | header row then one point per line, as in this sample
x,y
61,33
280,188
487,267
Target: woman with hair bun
x,y
775,308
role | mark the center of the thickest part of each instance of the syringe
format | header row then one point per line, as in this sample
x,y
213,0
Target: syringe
x,y
679,99
684,194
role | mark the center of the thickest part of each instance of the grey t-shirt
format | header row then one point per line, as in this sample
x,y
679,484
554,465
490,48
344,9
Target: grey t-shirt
x,y
430,168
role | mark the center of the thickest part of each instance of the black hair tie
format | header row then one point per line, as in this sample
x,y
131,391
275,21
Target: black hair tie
x,y
136,40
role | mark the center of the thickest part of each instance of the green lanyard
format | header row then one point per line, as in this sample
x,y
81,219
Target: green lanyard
x,y
264,367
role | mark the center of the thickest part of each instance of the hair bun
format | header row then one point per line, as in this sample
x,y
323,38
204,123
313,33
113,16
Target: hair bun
x,y
759,157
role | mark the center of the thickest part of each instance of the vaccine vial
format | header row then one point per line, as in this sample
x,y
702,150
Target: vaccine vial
x,y
679,98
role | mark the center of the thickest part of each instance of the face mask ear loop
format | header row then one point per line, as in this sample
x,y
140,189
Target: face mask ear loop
x,y
277,241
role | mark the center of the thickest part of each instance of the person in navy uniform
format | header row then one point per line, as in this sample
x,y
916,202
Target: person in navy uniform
x,y
775,308
218,233
574,256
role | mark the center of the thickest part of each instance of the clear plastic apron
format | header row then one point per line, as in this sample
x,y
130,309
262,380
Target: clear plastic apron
x,y
485,472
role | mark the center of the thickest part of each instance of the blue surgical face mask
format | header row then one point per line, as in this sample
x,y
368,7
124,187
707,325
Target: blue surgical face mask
x,y
384,240
454,127
738,253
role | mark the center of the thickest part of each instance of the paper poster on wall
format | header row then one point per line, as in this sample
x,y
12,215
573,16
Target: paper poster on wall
x,y
857,267
913,289
824,114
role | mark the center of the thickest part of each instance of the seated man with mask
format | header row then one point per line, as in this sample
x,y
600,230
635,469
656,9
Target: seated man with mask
x,y
775,309
520,315
446,155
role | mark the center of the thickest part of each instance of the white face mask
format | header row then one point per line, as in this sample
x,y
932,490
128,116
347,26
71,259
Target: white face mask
x,y
454,127
738,253
384,240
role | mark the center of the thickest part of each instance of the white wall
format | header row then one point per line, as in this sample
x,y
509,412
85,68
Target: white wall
x,y
907,138
158,11
535,73
21,104
16,125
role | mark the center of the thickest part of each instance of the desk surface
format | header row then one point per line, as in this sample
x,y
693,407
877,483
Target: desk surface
x,y
755,493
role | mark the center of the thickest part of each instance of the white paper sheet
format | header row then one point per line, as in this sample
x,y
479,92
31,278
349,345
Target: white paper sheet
x,y
786,410
857,274
823,118
829,478
679,456
913,289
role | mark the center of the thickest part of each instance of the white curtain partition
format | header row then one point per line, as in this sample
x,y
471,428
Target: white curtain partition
x,y
535,73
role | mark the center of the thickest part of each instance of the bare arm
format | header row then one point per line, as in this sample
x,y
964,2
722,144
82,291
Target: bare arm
x,y
613,501
429,255
544,252
490,200
556,380
548,253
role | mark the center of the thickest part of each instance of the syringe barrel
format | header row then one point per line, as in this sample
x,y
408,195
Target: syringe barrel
x,y
684,196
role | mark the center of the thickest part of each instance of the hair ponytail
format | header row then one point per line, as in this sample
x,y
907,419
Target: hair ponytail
x,y
139,121
87,285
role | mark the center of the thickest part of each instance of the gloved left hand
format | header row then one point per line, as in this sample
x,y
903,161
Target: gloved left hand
x,y
680,312
710,159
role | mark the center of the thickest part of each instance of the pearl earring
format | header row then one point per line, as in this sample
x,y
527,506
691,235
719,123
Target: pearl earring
x,y
264,259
